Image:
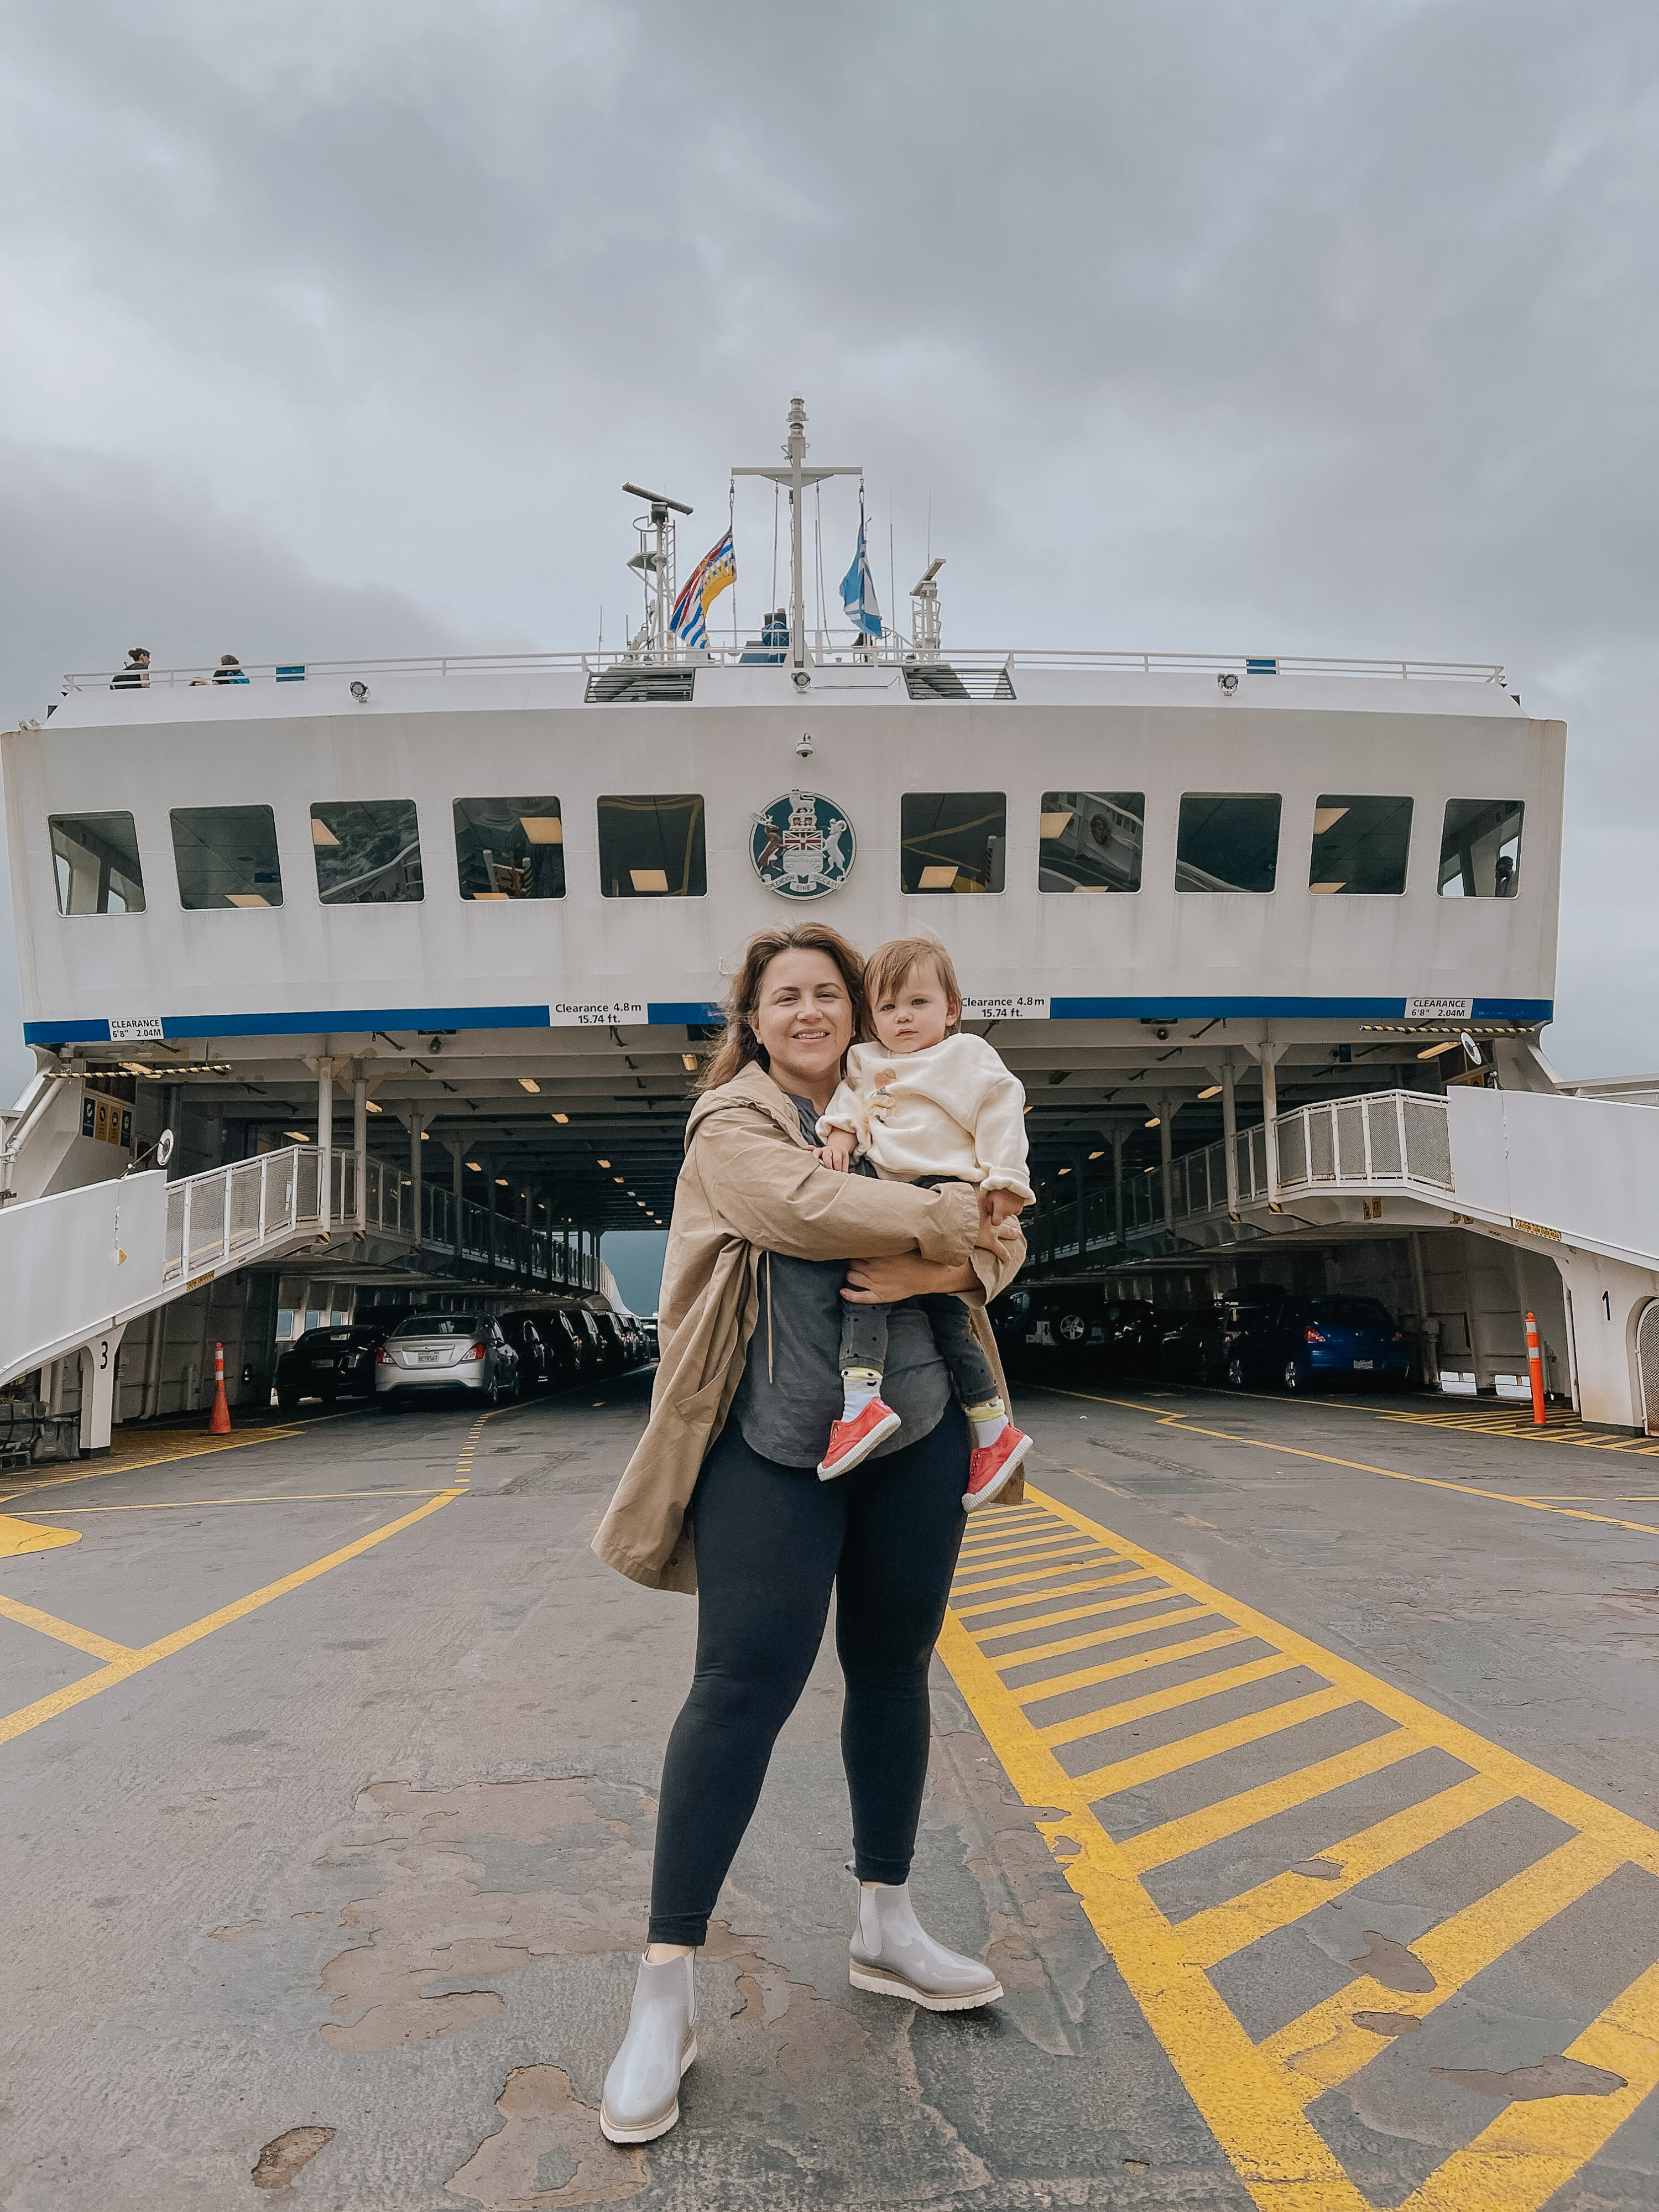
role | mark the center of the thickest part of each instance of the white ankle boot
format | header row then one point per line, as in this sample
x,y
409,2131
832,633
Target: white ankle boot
x,y
892,1954
641,2098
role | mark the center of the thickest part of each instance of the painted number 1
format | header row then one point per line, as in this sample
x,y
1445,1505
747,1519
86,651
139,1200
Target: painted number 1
x,y
1607,1305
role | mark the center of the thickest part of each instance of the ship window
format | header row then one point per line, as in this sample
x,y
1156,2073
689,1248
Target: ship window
x,y
95,858
1091,841
653,847
1480,848
367,852
952,840
227,856
1227,840
509,848
1359,845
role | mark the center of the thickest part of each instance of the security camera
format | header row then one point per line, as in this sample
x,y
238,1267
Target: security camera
x,y
360,690
803,678
1160,1035
1228,682
804,747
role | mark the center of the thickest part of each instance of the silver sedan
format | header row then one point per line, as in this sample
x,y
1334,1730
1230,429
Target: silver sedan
x,y
440,1351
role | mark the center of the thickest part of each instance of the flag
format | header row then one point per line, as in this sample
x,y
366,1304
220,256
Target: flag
x,y
858,589
717,568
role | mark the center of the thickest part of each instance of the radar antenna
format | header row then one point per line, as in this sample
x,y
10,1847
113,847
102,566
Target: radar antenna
x,y
924,611
654,566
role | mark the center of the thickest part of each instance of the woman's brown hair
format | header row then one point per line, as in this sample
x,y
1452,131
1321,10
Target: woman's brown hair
x,y
740,1045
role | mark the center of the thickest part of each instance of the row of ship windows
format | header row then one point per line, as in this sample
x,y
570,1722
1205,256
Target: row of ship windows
x,y
368,851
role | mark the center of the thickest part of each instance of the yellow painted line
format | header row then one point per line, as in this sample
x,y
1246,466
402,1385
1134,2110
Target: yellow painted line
x,y
1092,1637
1226,1930
124,1662
1518,2161
1253,2096
1209,1743
83,1639
1326,2046
1138,1662
1007,1572
140,1460
1166,1701
18,1536
1074,1589
1176,1839
1179,1421
278,1498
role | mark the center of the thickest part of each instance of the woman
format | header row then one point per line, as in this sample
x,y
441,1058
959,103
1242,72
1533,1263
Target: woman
x,y
722,1496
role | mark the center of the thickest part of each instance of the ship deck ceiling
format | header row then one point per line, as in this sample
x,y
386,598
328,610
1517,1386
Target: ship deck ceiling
x,y
612,1162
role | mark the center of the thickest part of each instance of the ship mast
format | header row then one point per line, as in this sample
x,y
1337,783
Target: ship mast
x,y
797,476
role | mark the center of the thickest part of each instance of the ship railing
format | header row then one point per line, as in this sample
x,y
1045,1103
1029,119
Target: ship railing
x,y
232,1213
827,648
1385,1140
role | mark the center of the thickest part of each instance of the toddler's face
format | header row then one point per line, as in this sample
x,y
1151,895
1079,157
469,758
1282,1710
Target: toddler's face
x,y
916,1013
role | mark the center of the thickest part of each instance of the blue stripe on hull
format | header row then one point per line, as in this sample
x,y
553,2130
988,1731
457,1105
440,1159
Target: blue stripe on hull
x,y
690,1013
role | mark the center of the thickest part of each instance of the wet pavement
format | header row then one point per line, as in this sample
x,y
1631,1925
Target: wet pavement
x,y
1295,1765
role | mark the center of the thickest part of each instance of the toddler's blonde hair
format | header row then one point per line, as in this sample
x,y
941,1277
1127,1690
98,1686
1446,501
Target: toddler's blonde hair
x,y
888,968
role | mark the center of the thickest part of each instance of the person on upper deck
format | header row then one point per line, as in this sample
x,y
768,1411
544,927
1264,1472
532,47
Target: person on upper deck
x,y
137,671
765,1249
229,670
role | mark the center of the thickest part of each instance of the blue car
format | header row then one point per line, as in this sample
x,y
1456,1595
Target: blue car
x,y
1312,1344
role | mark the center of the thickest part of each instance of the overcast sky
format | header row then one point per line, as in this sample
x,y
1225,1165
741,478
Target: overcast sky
x,y
1270,325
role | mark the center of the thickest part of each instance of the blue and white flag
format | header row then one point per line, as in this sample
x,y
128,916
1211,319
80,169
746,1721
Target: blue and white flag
x,y
858,589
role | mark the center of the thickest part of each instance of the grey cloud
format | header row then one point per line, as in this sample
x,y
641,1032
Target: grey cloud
x,y
1298,327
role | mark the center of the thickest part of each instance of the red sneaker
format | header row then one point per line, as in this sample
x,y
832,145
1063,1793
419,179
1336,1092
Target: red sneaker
x,y
990,1467
853,1440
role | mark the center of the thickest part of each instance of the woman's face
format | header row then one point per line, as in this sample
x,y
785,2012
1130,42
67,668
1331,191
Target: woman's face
x,y
804,1018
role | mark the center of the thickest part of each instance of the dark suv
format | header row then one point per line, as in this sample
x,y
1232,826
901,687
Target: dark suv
x,y
329,1364
523,1331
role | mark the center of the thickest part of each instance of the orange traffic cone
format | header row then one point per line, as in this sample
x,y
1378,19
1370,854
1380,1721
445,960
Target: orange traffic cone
x,y
220,1424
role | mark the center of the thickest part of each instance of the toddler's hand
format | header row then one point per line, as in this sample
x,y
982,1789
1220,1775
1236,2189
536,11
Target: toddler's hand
x,y
997,1206
837,1151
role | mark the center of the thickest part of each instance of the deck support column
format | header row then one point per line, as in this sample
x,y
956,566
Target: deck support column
x,y
360,1148
325,1143
417,1122
1223,1075
1166,1116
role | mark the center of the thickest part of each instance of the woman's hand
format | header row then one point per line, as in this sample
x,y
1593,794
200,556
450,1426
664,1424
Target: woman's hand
x,y
905,1275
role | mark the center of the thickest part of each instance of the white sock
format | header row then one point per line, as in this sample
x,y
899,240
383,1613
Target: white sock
x,y
988,1422
859,1386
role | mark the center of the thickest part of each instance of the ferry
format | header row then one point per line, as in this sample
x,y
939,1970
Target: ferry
x,y
368,983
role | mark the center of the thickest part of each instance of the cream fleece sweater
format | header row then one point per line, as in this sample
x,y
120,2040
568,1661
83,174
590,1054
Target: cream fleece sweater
x,y
950,1109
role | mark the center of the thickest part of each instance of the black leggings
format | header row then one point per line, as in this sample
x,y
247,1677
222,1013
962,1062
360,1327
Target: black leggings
x,y
771,1542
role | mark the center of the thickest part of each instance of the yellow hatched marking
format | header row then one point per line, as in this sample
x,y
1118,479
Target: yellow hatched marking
x,y
1164,1701
1226,1930
1137,1663
1253,2096
1072,1589
1326,2046
1209,1743
1092,1637
1008,1572
1156,1847
1518,2162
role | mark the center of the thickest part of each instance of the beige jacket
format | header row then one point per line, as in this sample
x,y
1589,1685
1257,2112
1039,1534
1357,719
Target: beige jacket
x,y
952,1109
749,1184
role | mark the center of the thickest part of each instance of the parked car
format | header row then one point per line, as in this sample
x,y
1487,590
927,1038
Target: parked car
x,y
587,1332
1192,1345
567,1346
523,1331
1074,1333
1309,1344
433,1354
328,1363
613,1338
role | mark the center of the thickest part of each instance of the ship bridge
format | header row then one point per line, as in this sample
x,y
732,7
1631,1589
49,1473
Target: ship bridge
x,y
420,962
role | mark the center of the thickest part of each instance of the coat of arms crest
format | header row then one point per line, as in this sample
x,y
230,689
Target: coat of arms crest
x,y
803,846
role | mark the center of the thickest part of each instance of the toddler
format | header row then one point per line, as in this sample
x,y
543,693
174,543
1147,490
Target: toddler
x,y
927,1104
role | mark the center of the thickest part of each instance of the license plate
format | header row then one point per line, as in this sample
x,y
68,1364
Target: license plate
x,y
1366,1365
428,1359
322,1363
